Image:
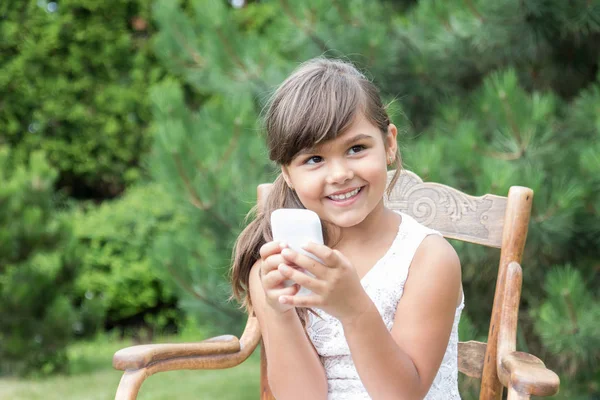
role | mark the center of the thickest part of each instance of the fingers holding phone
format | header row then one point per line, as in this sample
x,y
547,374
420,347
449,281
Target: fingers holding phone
x,y
273,282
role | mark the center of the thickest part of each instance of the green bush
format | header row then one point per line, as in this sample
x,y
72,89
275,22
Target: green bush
x,y
73,78
38,264
117,274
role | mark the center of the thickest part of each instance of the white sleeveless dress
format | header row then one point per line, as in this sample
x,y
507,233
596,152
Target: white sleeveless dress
x,y
384,284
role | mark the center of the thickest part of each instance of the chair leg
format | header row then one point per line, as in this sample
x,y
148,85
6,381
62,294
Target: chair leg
x,y
130,384
265,390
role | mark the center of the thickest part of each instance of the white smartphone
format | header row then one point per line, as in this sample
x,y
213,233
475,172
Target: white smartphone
x,y
297,227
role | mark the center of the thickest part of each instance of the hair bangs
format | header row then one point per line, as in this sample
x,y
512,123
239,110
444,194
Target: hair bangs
x,y
313,110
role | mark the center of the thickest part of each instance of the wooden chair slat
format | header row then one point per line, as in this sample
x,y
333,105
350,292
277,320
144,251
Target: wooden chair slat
x,y
470,358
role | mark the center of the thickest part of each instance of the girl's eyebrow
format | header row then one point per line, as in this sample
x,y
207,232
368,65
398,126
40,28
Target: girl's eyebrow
x,y
306,150
357,138
347,142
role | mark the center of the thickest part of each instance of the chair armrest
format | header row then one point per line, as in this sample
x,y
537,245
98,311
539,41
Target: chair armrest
x,y
528,374
141,362
218,352
521,372
136,357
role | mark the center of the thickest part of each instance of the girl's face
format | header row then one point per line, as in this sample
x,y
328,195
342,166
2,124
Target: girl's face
x,y
343,180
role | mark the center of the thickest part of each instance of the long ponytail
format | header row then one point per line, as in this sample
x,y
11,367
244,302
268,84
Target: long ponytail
x,y
255,235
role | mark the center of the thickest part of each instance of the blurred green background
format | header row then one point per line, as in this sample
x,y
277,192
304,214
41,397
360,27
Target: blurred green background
x,y
131,148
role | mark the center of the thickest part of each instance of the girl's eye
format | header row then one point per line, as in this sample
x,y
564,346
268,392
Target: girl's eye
x,y
356,149
313,160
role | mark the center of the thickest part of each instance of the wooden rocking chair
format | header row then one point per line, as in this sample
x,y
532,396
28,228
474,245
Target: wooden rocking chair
x,y
489,220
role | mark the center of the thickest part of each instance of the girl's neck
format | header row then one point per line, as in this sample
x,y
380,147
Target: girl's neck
x,y
380,219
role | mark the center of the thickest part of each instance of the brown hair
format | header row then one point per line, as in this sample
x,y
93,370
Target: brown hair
x,y
318,102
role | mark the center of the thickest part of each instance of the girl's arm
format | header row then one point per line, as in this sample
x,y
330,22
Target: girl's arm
x,y
403,363
293,368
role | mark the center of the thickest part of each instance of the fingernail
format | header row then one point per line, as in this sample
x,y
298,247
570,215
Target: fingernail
x,y
282,300
283,267
283,245
286,252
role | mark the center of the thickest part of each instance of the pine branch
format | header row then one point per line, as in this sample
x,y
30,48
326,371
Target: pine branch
x,y
471,7
307,31
371,54
202,171
345,16
194,198
500,155
510,116
550,212
188,288
447,26
231,51
232,143
249,75
571,310
193,53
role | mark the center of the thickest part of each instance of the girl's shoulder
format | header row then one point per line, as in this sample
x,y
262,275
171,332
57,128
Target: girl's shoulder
x,y
410,224
428,241
430,252
435,262
410,235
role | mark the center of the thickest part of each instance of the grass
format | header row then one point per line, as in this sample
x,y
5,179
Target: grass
x,y
93,378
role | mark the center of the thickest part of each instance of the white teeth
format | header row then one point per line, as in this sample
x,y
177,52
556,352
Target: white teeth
x,y
345,195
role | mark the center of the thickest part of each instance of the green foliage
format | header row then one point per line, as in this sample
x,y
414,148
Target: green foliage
x,y
576,339
38,264
74,84
447,48
494,93
230,156
117,277
584,115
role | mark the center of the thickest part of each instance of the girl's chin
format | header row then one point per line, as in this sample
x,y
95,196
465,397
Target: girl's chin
x,y
347,220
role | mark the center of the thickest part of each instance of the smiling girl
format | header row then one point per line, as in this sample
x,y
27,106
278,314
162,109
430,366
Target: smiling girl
x,y
382,319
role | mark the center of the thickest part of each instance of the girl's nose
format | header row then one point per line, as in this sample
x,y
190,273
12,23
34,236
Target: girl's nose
x,y
339,172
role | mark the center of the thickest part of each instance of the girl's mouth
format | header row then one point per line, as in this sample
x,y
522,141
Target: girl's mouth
x,y
346,198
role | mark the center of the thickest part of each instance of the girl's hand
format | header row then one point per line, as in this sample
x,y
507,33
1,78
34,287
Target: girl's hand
x,y
272,279
336,287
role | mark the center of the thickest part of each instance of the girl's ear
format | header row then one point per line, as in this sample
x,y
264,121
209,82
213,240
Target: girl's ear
x,y
286,177
390,140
